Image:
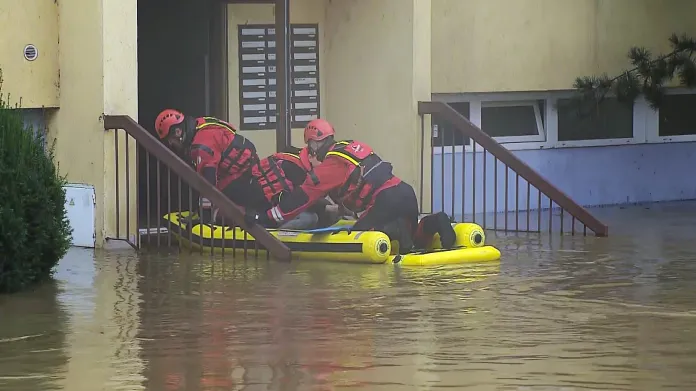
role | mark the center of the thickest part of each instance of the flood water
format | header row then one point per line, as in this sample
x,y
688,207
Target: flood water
x,y
556,313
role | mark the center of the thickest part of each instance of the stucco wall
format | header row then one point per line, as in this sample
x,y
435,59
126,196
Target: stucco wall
x,y
76,127
120,70
524,45
377,65
105,81
30,22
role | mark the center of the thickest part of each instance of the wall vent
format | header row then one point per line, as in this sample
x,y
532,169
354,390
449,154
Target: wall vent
x,y
31,52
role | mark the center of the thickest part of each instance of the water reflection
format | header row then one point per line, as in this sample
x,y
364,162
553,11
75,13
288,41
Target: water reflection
x,y
556,313
85,322
32,339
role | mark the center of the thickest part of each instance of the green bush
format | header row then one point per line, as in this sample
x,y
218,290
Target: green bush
x,y
34,229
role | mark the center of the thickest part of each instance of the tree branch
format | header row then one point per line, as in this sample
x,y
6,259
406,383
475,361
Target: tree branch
x,y
647,77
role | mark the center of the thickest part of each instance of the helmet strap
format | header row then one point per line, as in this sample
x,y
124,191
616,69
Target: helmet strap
x,y
189,130
326,145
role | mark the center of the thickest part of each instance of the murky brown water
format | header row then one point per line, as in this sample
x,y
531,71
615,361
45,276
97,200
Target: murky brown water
x,y
555,314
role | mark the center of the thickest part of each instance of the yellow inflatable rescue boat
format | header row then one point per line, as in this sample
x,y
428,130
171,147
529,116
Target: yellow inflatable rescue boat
x,y
336,243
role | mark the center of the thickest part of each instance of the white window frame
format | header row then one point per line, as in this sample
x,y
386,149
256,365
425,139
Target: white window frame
x,y
541,133
500,99
652,121
641,119
638,128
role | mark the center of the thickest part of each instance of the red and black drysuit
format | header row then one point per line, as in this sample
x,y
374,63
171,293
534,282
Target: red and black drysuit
x,y
281,173
354,176
223,157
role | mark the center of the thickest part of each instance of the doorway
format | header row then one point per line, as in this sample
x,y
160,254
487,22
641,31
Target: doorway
x,y
182,64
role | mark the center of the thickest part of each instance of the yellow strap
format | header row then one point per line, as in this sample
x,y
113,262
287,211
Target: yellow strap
x,y
290,154
213,122
343,155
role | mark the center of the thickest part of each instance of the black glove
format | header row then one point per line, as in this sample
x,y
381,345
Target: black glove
x,y
275,200
207,215
344,228
190,221
252,217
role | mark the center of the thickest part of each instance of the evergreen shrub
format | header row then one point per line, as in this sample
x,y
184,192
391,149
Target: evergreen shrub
x,y
34,229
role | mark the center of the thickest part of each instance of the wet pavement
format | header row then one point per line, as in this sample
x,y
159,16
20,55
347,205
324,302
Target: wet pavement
x,y
556,313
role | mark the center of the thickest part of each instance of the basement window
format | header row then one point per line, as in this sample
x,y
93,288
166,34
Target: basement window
x,y
514,121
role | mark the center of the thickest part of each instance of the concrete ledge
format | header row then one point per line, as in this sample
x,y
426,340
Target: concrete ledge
x,y
118,245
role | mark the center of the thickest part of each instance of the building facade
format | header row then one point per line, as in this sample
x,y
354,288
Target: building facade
x,y
506,65
363,65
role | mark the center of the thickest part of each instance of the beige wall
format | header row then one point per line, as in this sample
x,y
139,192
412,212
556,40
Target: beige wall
x,y
120,69
22,23
377,67
77,122
523,45
301,11
104,81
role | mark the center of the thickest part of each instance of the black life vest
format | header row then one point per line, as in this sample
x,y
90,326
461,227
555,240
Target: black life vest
x,y
270,175
238,156
368,174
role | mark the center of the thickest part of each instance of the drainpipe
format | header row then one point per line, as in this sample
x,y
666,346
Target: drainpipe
x,y
283,55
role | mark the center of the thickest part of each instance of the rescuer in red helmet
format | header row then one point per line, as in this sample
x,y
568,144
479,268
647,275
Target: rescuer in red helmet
x,y
356,177
218,153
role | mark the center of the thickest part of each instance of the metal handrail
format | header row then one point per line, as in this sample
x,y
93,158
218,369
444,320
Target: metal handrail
x,y
468,129
226,207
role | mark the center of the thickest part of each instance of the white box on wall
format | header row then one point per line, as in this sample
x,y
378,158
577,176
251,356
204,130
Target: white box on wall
x,y
80,203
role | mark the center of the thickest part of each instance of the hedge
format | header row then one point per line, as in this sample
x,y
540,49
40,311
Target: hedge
x,y
34,229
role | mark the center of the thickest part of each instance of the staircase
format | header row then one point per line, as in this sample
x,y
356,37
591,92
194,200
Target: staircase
x,y
484,183
169,185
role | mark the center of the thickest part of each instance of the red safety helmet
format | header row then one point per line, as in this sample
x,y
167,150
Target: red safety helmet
x,y
166,120
317,130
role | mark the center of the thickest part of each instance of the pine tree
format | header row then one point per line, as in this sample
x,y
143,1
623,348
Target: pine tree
x,y
647,77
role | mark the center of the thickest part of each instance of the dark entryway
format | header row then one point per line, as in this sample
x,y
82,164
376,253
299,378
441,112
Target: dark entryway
x,y
182,64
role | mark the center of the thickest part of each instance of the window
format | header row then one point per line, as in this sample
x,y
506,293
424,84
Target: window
x,y
611,120
510,122
444,134
678,115
546,119
35,121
